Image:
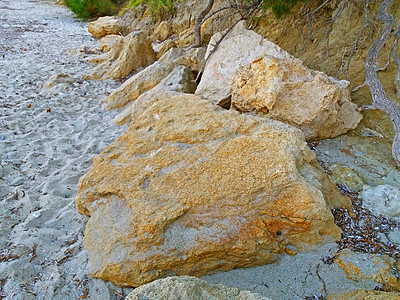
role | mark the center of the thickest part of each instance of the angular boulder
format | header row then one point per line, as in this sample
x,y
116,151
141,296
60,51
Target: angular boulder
x,y
382,200
148,78
180,80
124,55
192,188
365,295
55,84
110,41
166,46
240,47
360,267
286,90
254,75
104,26
190,288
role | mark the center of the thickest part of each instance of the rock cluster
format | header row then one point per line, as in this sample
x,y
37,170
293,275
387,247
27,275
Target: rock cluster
x,y
186,287
258,76
192,188
122,56
171,73
104,26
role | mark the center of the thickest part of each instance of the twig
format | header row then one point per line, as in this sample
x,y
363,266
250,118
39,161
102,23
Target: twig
x,y
353,49
222,38
320,278
331,23
379,97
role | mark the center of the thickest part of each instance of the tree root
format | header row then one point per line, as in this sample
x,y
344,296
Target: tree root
x,y
379,98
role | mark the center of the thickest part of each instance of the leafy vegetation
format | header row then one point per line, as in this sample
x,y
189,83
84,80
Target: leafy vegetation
x,y
86,9
156,7
279,7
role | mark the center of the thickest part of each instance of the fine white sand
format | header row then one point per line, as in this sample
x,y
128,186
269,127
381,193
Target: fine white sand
x,y
47,141
43,154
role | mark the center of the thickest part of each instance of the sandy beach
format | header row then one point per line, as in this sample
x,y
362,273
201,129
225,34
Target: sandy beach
x,y
47,142
52,124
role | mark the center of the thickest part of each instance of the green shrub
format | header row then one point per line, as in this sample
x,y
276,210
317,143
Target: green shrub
x,y
279,7
86,9
156,7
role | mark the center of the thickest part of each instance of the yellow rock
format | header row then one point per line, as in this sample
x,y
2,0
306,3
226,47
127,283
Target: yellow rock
x,y
104,26
366,295
124,55
285,90
165,47
192,188
162,31
148,78
110,41
364,266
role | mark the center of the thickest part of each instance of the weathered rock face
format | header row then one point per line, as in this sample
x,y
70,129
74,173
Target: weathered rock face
x,y
382,200
162,31
257,76
180,80
192,188
361,267
240,47
111,41
165,48
346,176
285,90
56,84
147,79
186,287
104,26
124,55
366,295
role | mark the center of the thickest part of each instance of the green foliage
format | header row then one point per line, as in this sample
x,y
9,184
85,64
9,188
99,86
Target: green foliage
x,y
279,7
86,9
156,7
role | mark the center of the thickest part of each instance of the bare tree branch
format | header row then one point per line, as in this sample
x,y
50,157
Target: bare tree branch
x,y
199,19
379,98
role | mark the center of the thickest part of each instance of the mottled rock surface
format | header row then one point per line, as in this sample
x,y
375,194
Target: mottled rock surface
x,y
240,47
286,90
104,26
148,78
124,55
369,267
346,177
366,295
168,44
180,80
256,75
189,288
192,188
55,84
382,200
109,42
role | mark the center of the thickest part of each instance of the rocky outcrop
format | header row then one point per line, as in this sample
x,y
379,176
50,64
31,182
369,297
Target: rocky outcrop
x,y
255,75
286,90
124,55
110,41
240,47
180,80
168,44
192,188
104,26
360,267
190,288
56,84
382,200
366,295
147,79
